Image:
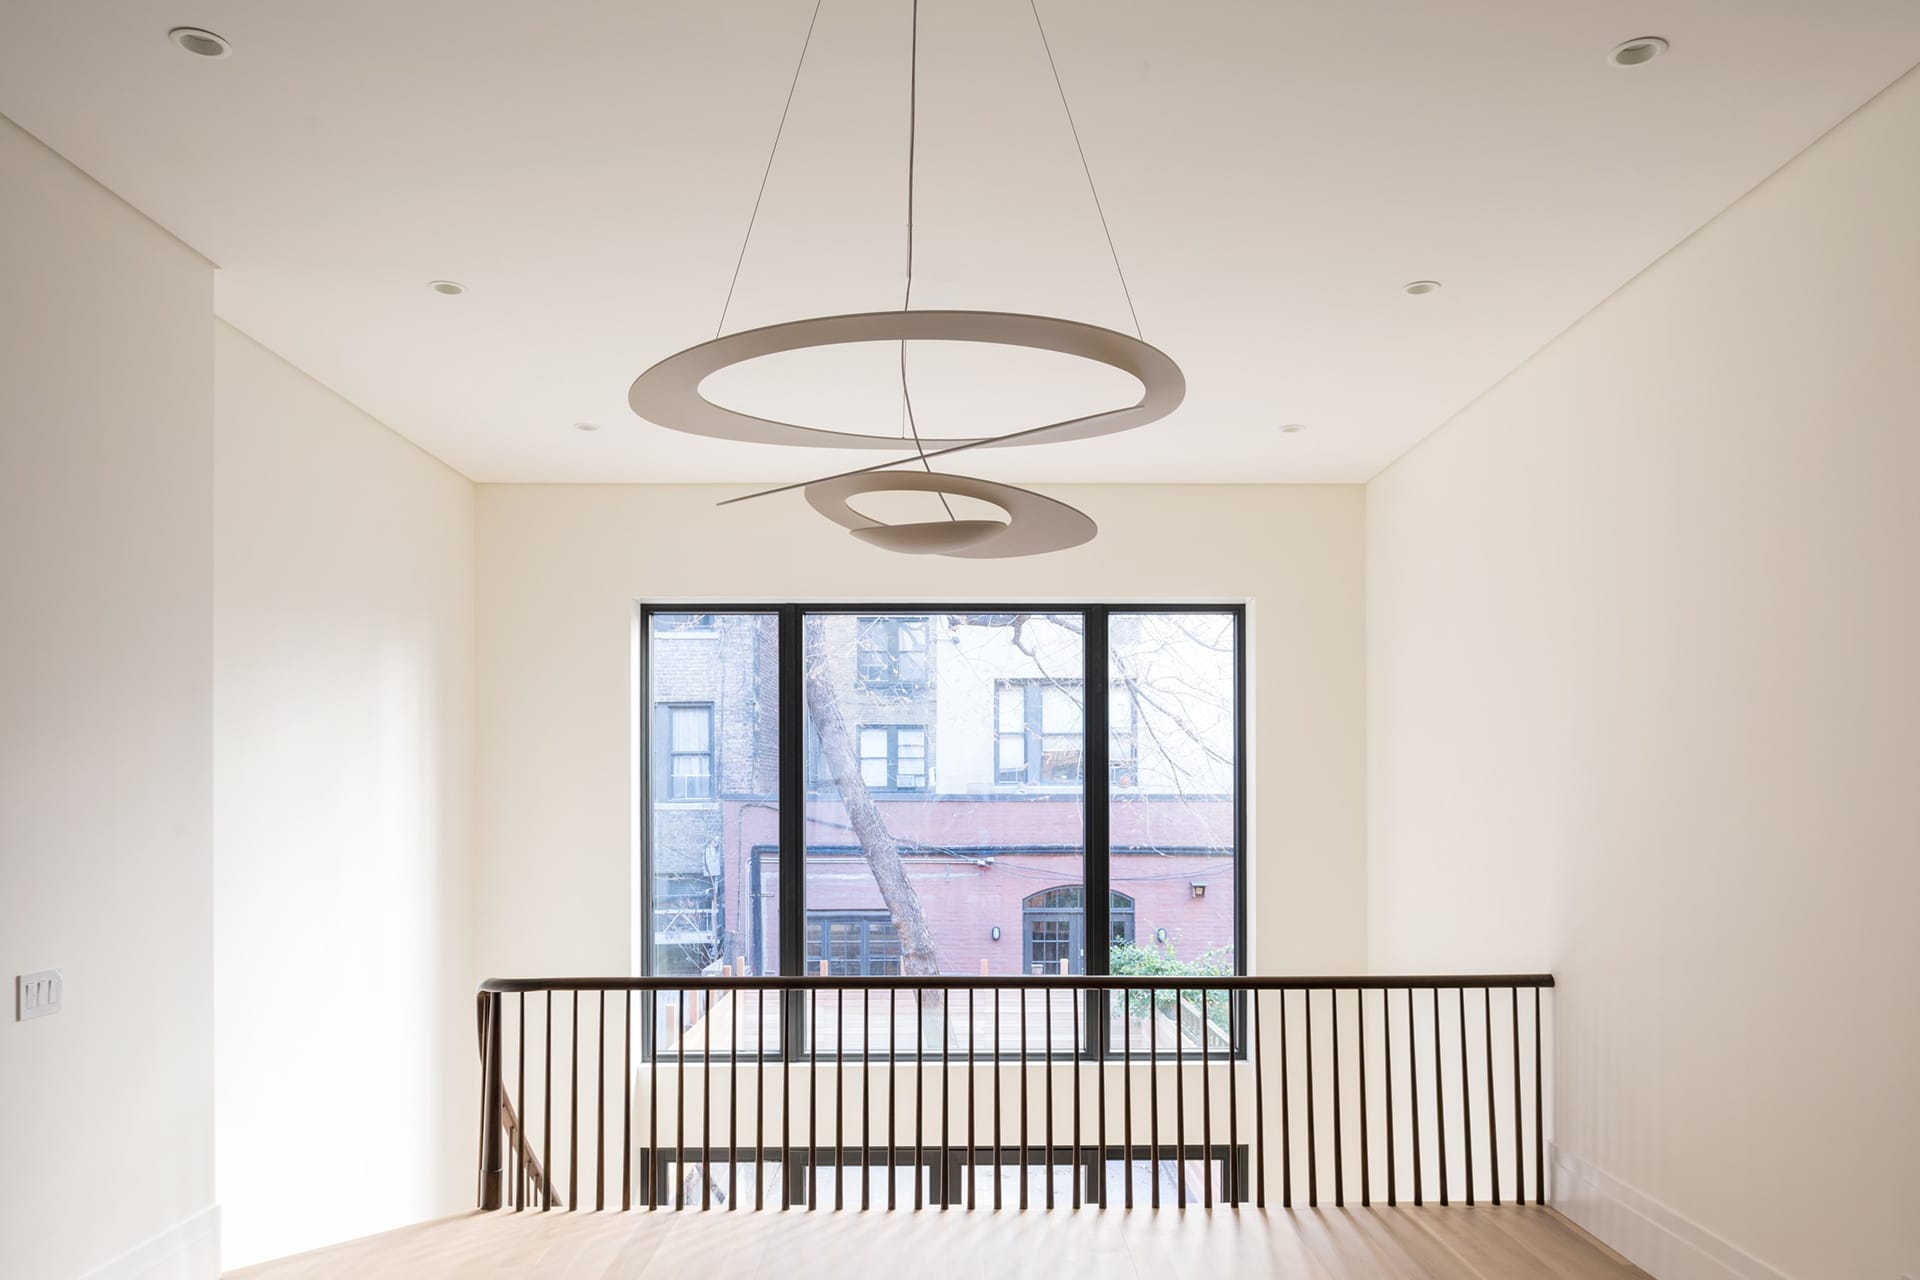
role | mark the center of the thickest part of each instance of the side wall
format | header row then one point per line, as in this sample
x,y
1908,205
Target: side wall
x,y
1645,711
106,848
561,567
343,691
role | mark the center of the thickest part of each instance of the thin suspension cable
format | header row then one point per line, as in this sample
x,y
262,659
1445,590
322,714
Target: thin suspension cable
x,y
906,303
768,171
1098,208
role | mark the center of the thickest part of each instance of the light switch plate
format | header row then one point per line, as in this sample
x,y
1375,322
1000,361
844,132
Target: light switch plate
x,y
35,995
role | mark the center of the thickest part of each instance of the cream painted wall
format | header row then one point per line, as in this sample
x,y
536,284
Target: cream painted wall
x,y
560,569
106,851
1645,711
343,693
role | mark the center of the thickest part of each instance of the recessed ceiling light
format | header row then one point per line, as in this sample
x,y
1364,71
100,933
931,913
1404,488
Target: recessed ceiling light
x,y
452,288
1418,287
586,426
204,43
1637,51
1292,427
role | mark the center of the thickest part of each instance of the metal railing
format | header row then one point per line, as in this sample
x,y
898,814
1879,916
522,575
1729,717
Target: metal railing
x,y
951,1091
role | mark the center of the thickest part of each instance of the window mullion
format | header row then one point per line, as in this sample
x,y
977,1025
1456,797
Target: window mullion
x,y
793,827
1096,802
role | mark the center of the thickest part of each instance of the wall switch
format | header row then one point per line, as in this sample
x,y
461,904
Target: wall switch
x,y
35,995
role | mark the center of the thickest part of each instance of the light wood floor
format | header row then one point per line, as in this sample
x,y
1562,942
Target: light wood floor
x,y
1455,1243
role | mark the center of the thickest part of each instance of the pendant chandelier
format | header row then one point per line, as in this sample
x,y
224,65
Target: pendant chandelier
x,y
1029,523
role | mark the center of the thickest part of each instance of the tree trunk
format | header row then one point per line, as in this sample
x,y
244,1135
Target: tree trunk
x,y
882,851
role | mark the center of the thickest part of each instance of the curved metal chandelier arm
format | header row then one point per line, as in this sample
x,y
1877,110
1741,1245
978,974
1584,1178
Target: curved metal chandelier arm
x,y
1012,437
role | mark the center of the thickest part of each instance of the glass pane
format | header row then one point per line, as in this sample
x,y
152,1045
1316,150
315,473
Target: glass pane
x,y
1060,710
961,852
692,728
1173,822
713,820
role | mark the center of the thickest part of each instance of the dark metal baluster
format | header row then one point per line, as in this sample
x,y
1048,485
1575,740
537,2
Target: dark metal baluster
x,y
892,1181
520,1199
1366,1180
600,1113
1386,1056
1339,1147
1259,1102
1493,1130
866,1098
973,1163
1153,1095
1440,1099
1023,1097
839,1098
1313,1147
1180,1097
1519,1137
1126,1096
546,1126
626,1101
1413,1094
653,1104
760,1100
787,1054
1206,1105
1074,997
734,996
1046,1033
1098,1009
573,1106
997,1111
813,1097
920,1085
706,1100
947,1062
680,1099
1539,1111
1236,1192
493,1102
1466,1099
1286,1112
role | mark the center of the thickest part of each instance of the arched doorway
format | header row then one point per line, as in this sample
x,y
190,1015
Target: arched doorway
x,y
1053,923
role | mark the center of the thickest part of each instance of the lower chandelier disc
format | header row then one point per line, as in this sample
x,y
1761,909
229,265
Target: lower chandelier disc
x,y
1035,524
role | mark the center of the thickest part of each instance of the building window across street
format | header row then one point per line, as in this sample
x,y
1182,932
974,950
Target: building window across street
x,y
893,757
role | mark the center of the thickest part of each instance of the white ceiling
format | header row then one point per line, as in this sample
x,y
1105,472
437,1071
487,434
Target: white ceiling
x,y
1273,170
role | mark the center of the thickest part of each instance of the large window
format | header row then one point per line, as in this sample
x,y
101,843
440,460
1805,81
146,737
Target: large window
x,y
913,791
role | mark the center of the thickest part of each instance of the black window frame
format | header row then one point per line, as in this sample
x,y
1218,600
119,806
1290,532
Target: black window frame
x,y
1097,793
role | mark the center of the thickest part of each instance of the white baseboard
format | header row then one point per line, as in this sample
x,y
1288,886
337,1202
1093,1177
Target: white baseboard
x,y
1649,1234
188,1250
